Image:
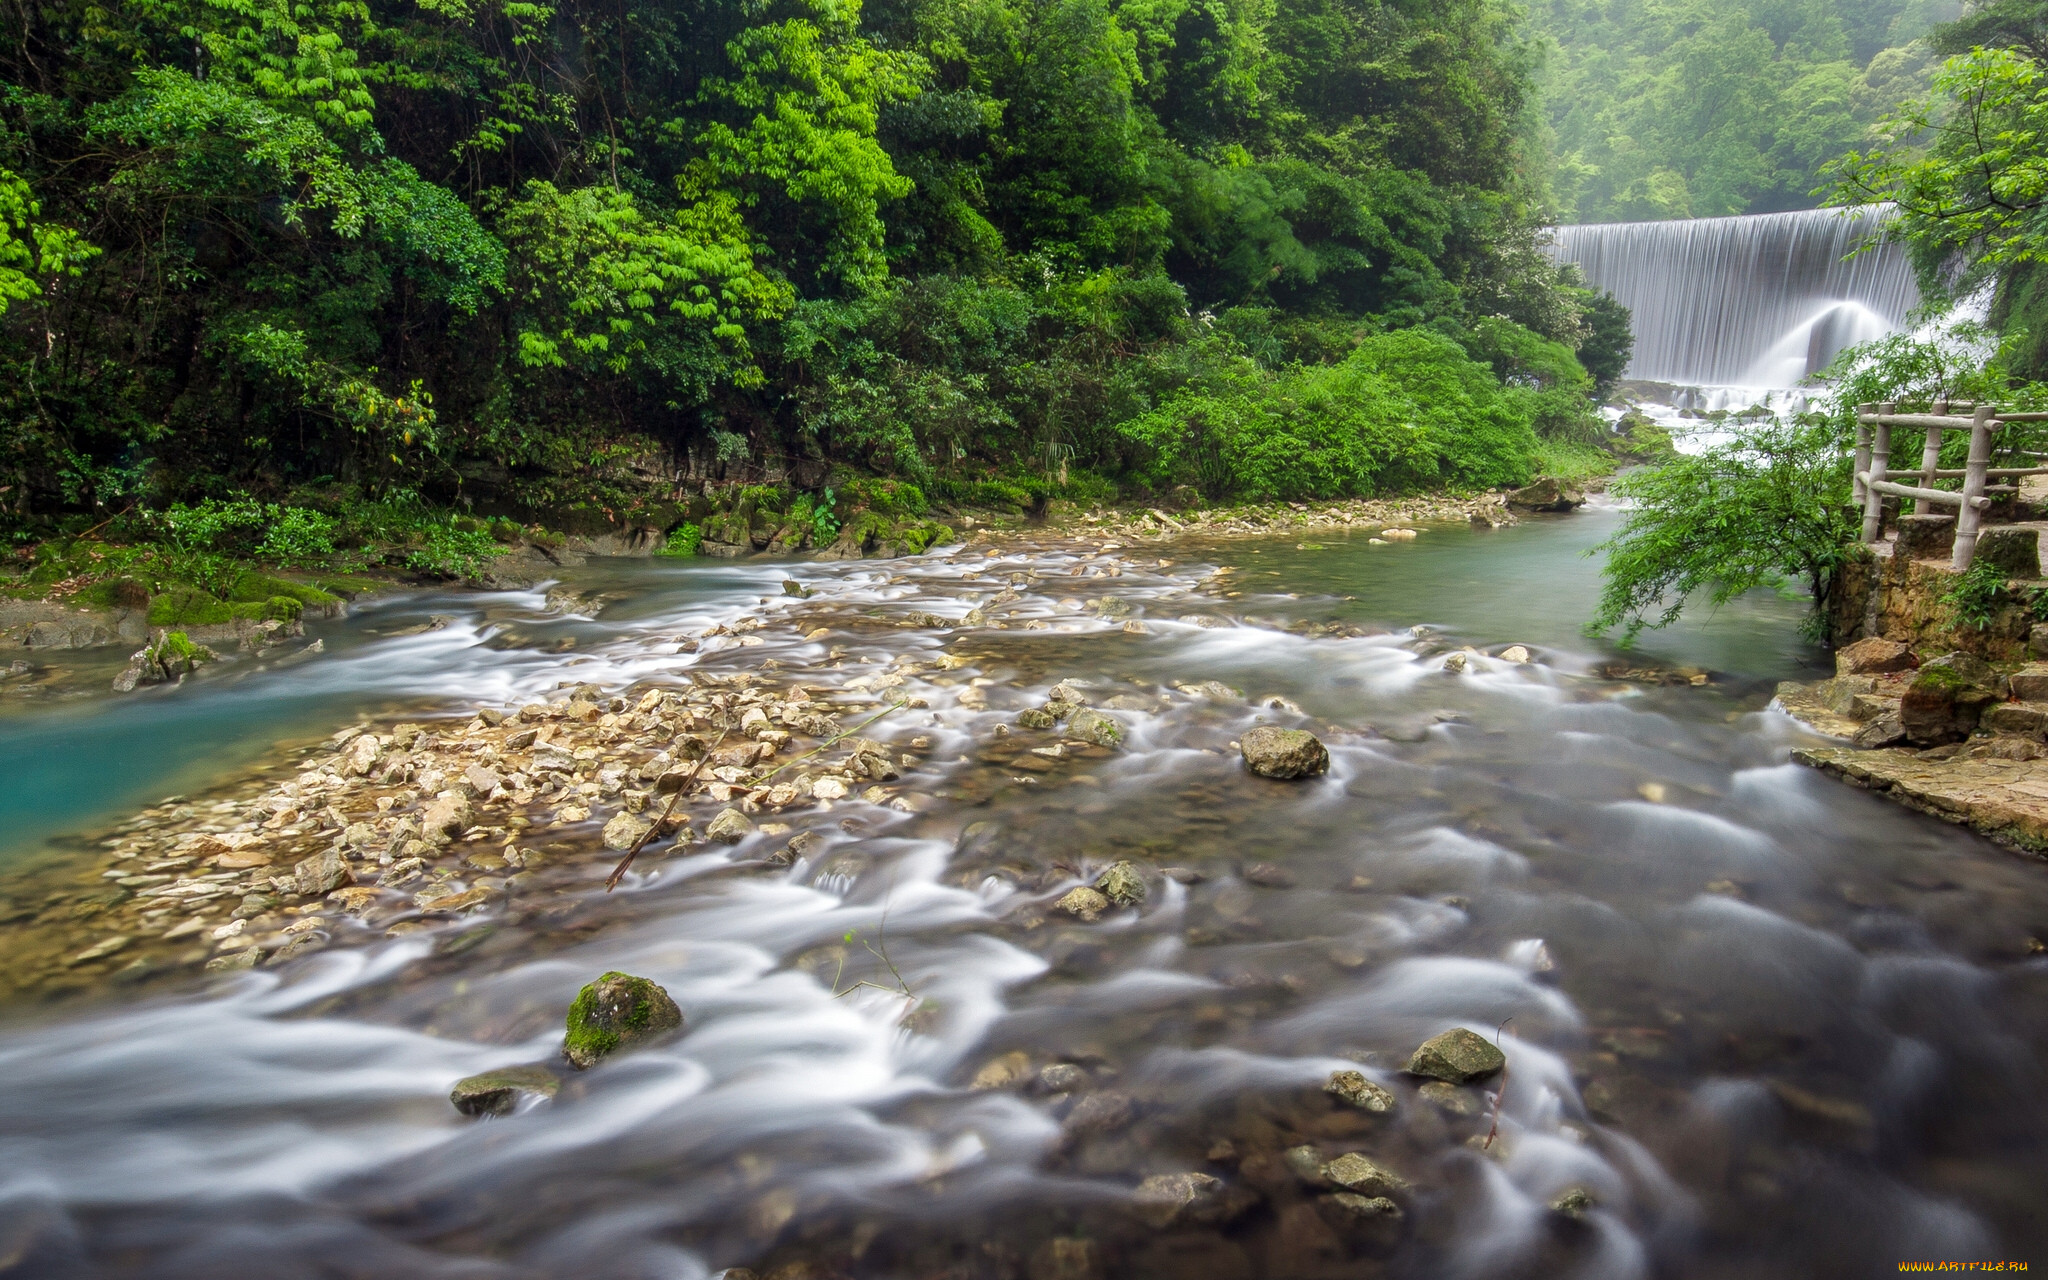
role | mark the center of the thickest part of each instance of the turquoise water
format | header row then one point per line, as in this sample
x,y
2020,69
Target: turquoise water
x,y
1774,1026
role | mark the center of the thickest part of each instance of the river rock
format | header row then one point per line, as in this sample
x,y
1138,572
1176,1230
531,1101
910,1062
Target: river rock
x,y
1944,702
322,873
449,816
1095,727
1458,1056
1547,493
1037,718
624,831
1121,885
1515,653
729,827
1165,1198
1083,902
1274,752
1573,1203
1353,1172
616,1013
498,1093
1067,1258
1353,1088
1213,690
1873,656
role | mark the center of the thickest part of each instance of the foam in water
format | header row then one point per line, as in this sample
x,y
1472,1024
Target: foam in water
x,y
1759,301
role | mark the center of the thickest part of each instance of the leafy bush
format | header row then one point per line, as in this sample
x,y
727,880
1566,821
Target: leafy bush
x,y
683,541
885,497
453,553
298,536
1976,594
1405,410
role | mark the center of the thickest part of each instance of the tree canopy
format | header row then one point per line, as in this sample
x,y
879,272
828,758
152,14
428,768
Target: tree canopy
x,y
493,245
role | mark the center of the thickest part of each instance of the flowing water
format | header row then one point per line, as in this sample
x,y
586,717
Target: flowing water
x,y
1770,1025
1731,308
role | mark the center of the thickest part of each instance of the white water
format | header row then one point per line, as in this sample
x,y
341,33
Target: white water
x,y
1751,303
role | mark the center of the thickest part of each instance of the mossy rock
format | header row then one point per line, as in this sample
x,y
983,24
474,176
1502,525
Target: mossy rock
x,y
615,1013
189,607
283,609
498,1093
260,588
115,593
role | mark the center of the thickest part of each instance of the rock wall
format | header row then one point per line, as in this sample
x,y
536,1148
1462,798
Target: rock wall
x,y
1902,599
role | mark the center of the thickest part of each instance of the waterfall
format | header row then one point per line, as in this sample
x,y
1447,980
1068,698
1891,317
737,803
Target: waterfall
x,y
1756,301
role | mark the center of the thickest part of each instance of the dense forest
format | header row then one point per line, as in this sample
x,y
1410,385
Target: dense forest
x,y
524,255
1701,108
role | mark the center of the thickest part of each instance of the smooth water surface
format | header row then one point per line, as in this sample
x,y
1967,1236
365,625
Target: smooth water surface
x,y
1770,1025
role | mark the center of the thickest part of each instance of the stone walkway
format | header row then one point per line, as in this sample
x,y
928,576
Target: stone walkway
x,y
2006,800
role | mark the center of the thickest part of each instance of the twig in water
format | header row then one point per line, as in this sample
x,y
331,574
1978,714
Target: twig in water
x,y
830,742
611,881
1500,1098
881,937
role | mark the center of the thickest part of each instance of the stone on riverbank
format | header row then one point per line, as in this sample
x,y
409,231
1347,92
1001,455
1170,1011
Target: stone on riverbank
x,y
499,1093
624,831
1546,494
1945,701
1273,752
1458,1056
1873,656
321,874
616,1013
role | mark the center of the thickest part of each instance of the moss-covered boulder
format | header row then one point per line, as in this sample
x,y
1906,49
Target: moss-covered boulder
x,y
616,1013
1458,1056
1945,701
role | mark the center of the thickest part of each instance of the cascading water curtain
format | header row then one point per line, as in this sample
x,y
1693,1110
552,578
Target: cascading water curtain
x,y
1755,301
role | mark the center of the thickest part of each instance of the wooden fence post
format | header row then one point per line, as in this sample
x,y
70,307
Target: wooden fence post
x,y
1861,462
1880,459
1930,461
1970,517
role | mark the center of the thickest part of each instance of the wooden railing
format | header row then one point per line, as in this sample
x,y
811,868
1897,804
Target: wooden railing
x,y
1874,423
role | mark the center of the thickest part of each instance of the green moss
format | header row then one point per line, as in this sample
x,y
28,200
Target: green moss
x,y
283,609
177,647
614,1012
189,607
257,588
1939,680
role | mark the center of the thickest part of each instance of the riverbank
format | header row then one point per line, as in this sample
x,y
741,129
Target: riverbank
x,y
65,647
407,825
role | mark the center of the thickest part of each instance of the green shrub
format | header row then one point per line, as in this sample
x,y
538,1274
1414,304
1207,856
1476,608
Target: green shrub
x,y
684,540
298,536
449,552
1405,410
886,497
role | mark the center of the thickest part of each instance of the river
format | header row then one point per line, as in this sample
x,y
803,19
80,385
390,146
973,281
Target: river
x,y
1766,1024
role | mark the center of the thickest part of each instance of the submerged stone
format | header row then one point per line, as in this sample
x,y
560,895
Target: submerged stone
x,y
1458,1056
498,1093
617,1012
1355,1173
